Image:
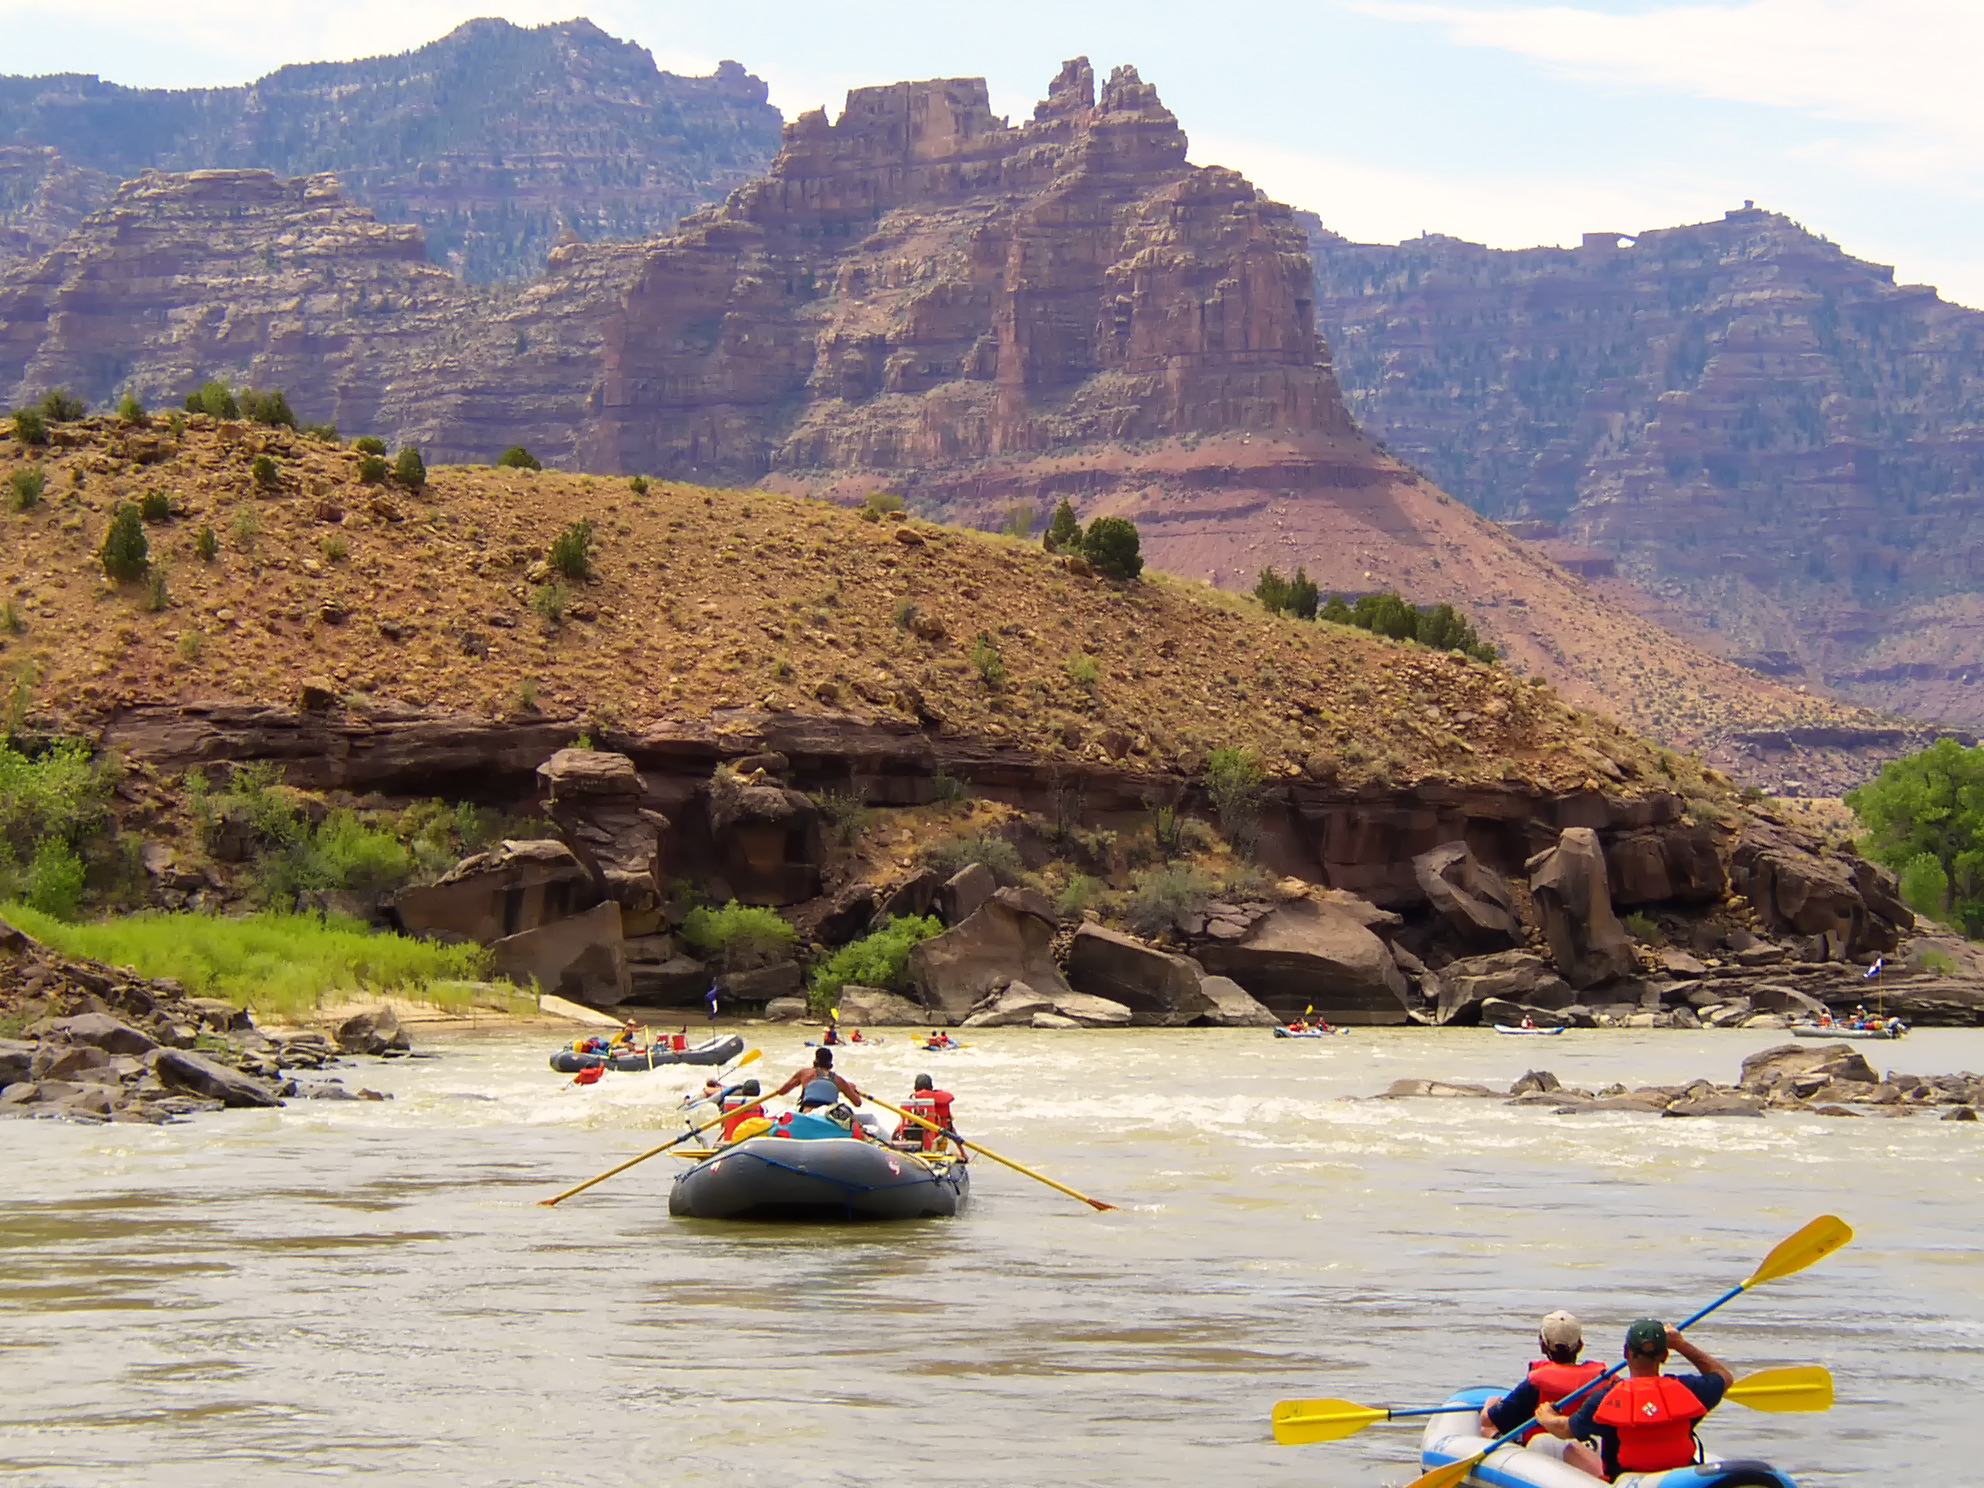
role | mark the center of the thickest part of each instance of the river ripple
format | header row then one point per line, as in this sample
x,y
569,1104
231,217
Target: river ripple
x,y
345,1289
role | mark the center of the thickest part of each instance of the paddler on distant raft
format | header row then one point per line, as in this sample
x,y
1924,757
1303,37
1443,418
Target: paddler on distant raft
x,y
1561,1338
1646,1422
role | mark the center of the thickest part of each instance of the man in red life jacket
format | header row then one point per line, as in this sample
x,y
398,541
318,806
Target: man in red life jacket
x,y
1645,1422
931,1104
1550,1379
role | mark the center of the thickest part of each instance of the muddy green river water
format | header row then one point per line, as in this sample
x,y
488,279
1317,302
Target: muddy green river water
x,y
371,1290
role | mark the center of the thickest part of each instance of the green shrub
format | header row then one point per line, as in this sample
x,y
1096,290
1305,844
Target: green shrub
x,y
638,485
1440,627
879,504
1335,610
334,547
738,937
25,487
947,789
206,545
373,469
158,598
1113,549
30,428
1018,521
905,613
125,552
571,551
1161,899
1234,780
155,506
59,406
369,444
951,855
1064,531
245,527
516,457
1931,959
131,411
215,399
1924,818
270,408
1644,928
342,854
987,662
1076,896
845,814
1278,596
324,433
1925,886
11,619
409,469
53,806
879,959
53,880
1084,671
549,600
264,471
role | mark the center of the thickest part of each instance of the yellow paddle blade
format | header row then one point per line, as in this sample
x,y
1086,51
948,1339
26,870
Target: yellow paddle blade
x,y
835,1013
1805,1387
1297,1422
1450,1476
1810,1245
749,1056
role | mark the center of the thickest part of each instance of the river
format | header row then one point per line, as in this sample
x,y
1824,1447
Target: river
x,y
346,1289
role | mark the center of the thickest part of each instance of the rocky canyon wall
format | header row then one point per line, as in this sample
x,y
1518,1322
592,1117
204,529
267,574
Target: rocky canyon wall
x,y
498,141
1777,447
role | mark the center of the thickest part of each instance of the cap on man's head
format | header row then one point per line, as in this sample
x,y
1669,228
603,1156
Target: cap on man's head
x,y
1646,1336
1561,1330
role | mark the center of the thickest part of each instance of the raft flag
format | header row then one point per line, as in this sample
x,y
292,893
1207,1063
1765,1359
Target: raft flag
x,y
1875,969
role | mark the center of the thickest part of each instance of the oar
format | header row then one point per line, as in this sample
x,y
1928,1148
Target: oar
x,y
1809,1246
716,1120
988,1152
1802,1387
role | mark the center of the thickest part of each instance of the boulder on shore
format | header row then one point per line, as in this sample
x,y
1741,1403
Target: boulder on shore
x,y
101,1031
1472,906
182,1069
1160,989
1574,901
513,887
582,957
1012,1007
374,1031
1233,1005
873,1007
999,943
1305,953
1465,986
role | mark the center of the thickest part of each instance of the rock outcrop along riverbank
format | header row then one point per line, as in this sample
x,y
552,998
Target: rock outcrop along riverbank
x,y
89,1042
1816,1079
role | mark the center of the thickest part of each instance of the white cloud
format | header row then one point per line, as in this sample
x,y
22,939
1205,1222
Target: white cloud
x,y
1908,64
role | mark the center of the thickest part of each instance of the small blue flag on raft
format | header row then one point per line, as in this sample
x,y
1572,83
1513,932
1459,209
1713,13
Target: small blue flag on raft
x,y
1875,969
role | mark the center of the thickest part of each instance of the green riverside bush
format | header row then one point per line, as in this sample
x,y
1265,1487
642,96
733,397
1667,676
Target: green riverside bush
x,y
30,428
738,937
409,469
215,399
880,959
516,457
1113,549
59,406
571,550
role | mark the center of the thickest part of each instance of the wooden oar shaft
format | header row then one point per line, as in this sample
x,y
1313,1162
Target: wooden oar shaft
x,y
634,1161
988,1152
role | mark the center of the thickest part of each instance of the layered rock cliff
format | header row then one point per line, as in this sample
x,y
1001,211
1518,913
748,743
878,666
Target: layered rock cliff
x,y
498,141
919,296
1779,448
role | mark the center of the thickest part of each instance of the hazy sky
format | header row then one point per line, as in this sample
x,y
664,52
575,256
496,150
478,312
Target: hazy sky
x,y
1507,122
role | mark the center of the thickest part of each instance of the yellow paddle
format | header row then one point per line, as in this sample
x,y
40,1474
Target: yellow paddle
x,y
988,1152
1803,1387
1809,1246
717,1120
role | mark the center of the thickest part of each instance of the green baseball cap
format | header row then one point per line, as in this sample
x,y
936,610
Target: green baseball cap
x,y
1646,1336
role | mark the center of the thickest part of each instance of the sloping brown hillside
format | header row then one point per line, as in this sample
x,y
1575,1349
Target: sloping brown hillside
x,y
708,600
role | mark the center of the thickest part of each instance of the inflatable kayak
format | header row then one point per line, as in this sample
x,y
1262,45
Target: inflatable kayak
x,y
1893,1029
722,1050
831,1179
1453,1435
1283,1032
1546,1032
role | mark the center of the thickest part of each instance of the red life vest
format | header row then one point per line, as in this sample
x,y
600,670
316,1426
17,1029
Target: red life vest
x,y
1655,1417
931,1105
738,1117
1554,1381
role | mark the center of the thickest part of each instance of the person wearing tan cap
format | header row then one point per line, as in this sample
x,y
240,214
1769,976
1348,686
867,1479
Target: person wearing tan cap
x,y
1558,1373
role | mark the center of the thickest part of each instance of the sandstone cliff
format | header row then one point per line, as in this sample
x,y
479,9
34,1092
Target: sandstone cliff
x,y
919,295
497,140
1772,445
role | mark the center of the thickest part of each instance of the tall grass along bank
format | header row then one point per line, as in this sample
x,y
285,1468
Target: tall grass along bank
x,y
274,962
